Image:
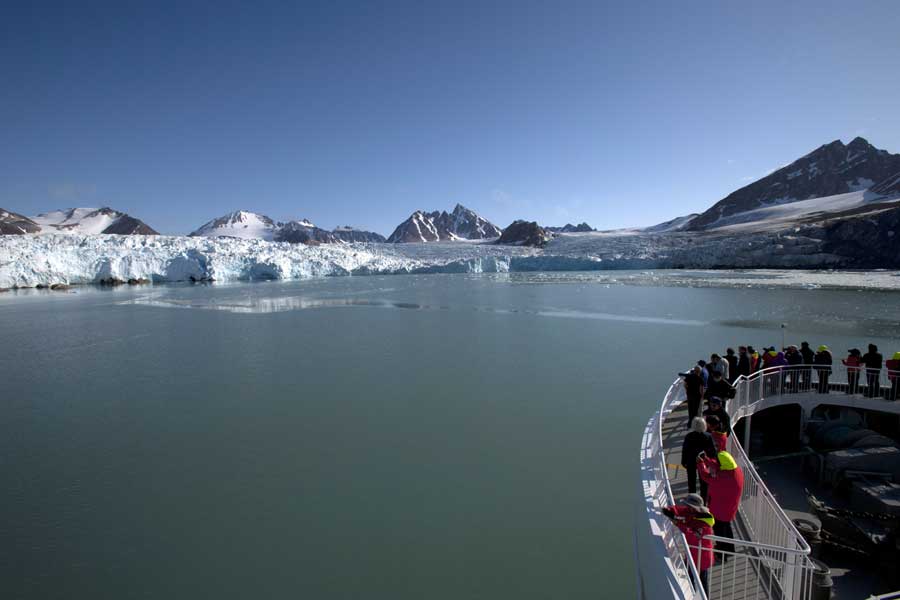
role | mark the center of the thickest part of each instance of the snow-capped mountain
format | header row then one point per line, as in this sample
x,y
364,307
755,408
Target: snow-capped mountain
x,y
15,224
240,224
461,224
352,234
91,221
249,225
830,170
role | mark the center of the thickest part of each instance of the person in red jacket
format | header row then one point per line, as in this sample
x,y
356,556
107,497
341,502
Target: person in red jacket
x,y
854,365
696,523
714,428
725,483
893,367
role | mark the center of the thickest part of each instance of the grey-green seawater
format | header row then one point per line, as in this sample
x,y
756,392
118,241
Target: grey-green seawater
x,y
441,436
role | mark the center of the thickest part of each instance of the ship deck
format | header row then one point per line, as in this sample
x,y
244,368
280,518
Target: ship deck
x,y
853,577
740,581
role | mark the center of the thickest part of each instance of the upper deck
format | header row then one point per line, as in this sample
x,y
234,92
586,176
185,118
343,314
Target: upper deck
x,y
771,558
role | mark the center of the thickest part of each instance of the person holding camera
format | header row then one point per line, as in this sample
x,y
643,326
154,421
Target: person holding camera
x,y
695,521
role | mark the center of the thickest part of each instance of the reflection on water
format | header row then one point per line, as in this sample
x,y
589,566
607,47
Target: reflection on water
x,y
277,304
266,305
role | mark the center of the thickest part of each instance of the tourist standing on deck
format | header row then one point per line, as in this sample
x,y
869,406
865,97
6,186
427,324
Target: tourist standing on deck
x,y
719,437
726,483
806,373
872,361
696,441
732,360
822,365
754,359
854,365
696,522
717,365
719,387
694,389
794,363
717,409
893,367
744,366
704,371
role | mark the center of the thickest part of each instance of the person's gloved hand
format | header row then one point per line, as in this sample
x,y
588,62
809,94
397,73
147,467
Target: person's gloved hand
x,y
668,512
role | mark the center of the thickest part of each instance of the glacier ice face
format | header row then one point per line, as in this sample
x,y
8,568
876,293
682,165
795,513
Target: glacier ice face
x,y
32,260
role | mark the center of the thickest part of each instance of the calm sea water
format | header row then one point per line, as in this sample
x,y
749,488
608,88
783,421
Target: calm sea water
x,y
384,437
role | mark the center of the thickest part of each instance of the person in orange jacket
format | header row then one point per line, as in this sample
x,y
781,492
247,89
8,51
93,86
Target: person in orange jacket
x,y
725,482
695,521
893,367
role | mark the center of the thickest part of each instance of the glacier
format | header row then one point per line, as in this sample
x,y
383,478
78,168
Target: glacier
x,y
48,259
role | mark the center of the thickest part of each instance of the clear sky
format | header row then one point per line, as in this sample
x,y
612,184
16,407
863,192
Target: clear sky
x,y
620,114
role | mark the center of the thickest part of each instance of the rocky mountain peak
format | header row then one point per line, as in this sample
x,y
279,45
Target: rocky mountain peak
x,y
829,170
462,223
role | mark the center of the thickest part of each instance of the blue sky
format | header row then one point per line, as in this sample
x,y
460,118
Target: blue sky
x,y
619,114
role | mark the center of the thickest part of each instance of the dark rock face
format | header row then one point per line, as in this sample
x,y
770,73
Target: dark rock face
x,y
436,226
525,233
15,224
569,228
831,169
128,225
349,234
870,241
296,232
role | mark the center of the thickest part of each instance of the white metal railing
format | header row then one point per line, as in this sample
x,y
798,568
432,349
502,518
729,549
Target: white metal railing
x,y
753,570
776,553
660,495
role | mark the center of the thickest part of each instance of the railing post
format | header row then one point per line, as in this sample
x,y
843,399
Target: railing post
x,y
747,421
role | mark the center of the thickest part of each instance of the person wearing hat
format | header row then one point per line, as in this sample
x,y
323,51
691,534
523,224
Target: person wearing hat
x,y
872,362
695,521
854,365
717,409
726,484
893,367
822,364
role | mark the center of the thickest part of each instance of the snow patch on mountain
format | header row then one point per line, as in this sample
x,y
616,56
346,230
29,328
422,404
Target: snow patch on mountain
x,y
240,224
91,221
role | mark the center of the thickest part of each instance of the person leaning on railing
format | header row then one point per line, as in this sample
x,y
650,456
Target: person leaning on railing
x,y
872,361
822,364
695,521
853,362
